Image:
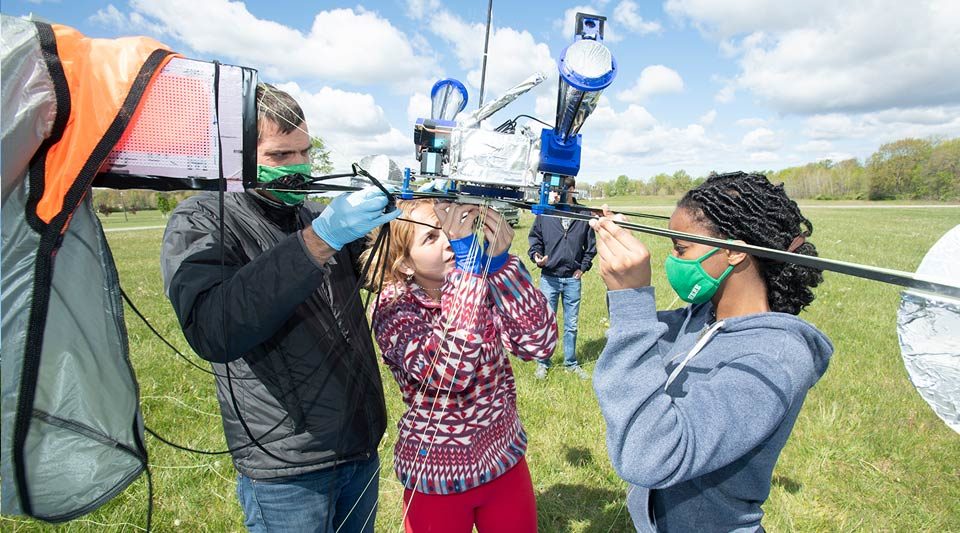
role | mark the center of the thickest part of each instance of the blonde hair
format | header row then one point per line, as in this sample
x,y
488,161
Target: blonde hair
x,y
398,250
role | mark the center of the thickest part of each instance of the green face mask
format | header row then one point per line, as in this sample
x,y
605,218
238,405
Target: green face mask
x,y
267,174
691,281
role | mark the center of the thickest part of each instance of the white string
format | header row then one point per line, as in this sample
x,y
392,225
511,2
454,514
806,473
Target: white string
x,y
472,253
360,497
181,403
471,256
436,428
326,144
620,510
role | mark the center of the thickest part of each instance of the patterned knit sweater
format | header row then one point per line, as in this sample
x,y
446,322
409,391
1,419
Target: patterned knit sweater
x,y
461,428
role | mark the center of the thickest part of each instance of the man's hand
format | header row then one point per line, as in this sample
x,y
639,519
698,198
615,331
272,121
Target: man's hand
x,y
624,261
540,260
350,216
578,274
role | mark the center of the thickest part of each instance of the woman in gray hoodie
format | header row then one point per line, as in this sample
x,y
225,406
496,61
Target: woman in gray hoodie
x,y
699,401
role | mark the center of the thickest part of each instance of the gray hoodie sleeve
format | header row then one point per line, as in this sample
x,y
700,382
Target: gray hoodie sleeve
x,y
656,440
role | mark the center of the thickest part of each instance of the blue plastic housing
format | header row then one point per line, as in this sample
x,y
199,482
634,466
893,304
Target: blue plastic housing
x,y
559,158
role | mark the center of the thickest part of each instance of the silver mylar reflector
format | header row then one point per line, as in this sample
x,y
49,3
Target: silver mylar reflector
x,y
380,166
448,97
587,67
929,331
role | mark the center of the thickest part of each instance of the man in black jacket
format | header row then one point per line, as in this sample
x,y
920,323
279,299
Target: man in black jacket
x,y
268,295
564,250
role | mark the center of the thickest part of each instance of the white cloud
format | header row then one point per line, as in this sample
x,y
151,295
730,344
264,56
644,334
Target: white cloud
x,y
885,126
545,108
419,106
112,17
822,56
761,139
354,46
723,18
831,126
764,157
513,56
418,9
815,146
726,94
626,14
708,118
655,79
335,110
351,124
635,136
752,122
109,16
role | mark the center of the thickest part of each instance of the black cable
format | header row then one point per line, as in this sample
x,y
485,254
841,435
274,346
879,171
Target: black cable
x,y
309,376
547,124
163,339
380,257
509,126
254,440
149,497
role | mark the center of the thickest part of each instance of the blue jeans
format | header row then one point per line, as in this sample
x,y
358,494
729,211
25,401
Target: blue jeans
x,y
317,501
566,290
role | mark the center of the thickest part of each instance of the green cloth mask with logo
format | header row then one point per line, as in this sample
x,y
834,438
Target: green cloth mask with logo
x,y
267,174
691,281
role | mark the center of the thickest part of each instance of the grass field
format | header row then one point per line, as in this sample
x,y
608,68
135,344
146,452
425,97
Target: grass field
x,y
867,454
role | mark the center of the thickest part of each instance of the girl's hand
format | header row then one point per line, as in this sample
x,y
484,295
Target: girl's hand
x,y
498,233
456,220
624,260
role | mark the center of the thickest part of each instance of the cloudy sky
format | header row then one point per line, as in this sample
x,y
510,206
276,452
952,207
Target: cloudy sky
x,y
702,85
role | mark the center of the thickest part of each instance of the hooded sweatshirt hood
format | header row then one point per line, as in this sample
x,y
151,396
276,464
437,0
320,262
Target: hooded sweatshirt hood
x,y
819,346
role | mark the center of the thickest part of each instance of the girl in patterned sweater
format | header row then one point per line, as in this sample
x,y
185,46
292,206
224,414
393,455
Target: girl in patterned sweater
x,y
447,310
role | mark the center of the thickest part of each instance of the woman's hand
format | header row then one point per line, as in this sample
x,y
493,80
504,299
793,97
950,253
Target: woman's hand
x,y
456,220
498,233
624,260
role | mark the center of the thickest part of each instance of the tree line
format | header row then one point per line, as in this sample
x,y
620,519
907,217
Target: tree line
x,y
920,169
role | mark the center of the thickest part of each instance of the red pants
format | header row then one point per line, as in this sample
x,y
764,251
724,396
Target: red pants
x,y
506,504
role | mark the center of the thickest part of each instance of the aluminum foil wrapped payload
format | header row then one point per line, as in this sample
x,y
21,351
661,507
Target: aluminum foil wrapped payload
x,y
490,157
929,329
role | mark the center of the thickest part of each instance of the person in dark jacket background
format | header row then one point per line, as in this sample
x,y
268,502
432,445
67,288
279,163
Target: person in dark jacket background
x,y
564,251
273,305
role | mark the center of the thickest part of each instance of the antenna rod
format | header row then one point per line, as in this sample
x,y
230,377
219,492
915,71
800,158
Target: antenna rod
x,y
486,46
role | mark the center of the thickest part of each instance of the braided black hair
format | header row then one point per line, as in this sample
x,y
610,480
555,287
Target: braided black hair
x,y
748,207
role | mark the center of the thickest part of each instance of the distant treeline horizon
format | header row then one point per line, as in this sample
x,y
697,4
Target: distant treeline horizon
x,y
914,169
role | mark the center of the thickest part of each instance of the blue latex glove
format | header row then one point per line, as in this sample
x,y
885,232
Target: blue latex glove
x,y
350,216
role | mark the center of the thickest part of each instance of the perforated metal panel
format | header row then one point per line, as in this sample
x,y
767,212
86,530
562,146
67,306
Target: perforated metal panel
x,y
173,141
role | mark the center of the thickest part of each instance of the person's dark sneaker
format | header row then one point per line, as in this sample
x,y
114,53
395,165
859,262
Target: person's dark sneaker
x,y
541,372
579,372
